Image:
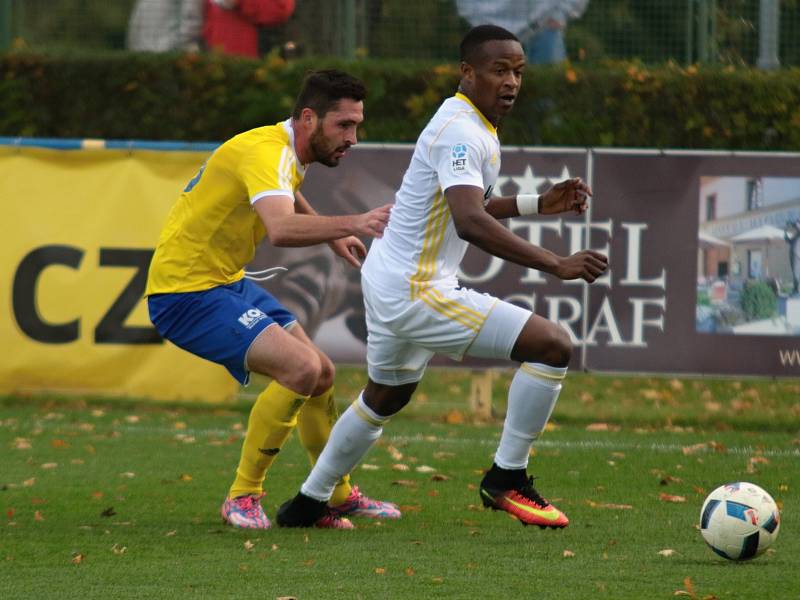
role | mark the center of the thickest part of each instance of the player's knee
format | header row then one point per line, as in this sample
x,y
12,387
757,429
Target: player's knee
x,y
326,377
302,375
559,348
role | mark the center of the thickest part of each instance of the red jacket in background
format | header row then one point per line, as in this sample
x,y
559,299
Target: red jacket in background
x,y
236,31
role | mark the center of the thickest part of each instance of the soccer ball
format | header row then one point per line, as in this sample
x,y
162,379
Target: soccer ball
x,y
739,520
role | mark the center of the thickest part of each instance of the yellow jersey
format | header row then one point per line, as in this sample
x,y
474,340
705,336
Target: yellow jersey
x,y
212,230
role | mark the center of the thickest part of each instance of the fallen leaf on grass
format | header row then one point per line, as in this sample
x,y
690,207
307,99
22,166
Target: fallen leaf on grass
x,y
671,498
49,465
602,427
369,467
756,460
309,562
380,570
409,571
77,558
108,512
59,444
687,583
394,453
400,467
22,444
37,516
117,549
29,482
405,483
424,469
439,477
568,554
454,417
666,552
128,475
248,545
171,533
610,506
185,477
694,449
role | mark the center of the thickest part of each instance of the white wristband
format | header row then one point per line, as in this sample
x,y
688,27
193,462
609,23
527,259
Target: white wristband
x,y
527,204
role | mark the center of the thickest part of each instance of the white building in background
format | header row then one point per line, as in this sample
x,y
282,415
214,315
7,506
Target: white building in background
x,y
742,220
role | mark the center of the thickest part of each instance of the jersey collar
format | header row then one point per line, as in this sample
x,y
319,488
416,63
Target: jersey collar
x,y
287,125
492,129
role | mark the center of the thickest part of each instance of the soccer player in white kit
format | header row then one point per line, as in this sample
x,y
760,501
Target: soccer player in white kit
x,y
415,307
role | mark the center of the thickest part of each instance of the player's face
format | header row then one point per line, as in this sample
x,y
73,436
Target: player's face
x,y
496,78
336,132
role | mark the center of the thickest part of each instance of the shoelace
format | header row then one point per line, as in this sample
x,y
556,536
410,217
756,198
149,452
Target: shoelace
x,y
529,492
249,504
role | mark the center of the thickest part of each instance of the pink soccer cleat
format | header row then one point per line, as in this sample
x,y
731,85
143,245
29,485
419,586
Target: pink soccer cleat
x,y
359,505
245,512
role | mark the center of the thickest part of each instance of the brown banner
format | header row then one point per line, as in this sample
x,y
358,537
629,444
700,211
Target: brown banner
x,y
702,278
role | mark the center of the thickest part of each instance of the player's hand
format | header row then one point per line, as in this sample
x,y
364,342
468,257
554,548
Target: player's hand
x,y
586,264
373,223
349,248
569,195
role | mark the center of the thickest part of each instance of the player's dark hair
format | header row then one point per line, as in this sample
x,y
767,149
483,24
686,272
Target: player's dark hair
x,y
477,36
323,89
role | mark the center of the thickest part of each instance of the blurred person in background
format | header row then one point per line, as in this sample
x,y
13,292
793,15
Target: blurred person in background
x,y
200,298
165,25
232,26
539,24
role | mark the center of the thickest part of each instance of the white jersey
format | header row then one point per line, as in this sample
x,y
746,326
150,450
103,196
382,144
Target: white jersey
x,y
420,247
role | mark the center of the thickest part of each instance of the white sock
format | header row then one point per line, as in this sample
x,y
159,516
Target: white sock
x,y
531,399
351,437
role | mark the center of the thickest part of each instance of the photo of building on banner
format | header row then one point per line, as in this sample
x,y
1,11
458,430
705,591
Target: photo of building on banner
x,y
748,256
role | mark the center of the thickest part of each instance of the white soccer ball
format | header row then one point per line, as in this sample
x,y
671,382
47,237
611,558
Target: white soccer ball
x,y
739,520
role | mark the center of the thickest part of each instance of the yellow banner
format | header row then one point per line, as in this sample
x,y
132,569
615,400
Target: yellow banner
x,y
80,227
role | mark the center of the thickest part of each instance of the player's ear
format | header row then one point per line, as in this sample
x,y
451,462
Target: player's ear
x,y
308,117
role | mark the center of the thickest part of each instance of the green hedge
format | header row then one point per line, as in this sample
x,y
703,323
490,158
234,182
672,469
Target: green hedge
x,y
211,97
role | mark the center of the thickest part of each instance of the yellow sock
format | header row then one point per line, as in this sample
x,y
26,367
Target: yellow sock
x,y
314,425
272,419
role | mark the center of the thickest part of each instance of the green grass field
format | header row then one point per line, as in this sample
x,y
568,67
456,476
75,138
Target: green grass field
x,y
117,499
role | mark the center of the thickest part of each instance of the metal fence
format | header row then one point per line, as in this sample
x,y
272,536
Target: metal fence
x,y
762,33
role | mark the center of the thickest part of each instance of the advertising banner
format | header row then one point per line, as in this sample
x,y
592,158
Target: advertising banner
x,y
81,226
704,258
704,263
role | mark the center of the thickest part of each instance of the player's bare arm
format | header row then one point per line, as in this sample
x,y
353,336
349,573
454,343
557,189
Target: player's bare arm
x,y
349,248
286,227
571,195
477,226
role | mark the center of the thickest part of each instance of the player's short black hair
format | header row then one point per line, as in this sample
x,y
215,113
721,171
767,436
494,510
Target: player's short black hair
x,y
323,89
477,36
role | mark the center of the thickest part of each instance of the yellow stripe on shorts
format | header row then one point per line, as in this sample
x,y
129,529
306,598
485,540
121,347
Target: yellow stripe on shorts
x,y
453,310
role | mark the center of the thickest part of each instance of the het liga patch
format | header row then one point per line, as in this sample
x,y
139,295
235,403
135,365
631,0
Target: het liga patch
x,y
459,158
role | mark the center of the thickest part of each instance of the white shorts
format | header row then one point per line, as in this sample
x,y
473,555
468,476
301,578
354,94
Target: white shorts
x,y
404,334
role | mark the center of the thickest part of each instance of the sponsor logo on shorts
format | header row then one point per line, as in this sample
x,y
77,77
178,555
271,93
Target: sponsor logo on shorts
x,y
251,317
459,154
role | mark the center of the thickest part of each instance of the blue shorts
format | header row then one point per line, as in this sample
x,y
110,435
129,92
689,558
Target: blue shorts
x,y
218,324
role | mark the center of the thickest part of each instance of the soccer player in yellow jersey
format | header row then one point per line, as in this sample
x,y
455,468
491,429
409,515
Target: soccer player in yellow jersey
x,y
416,307
200,299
